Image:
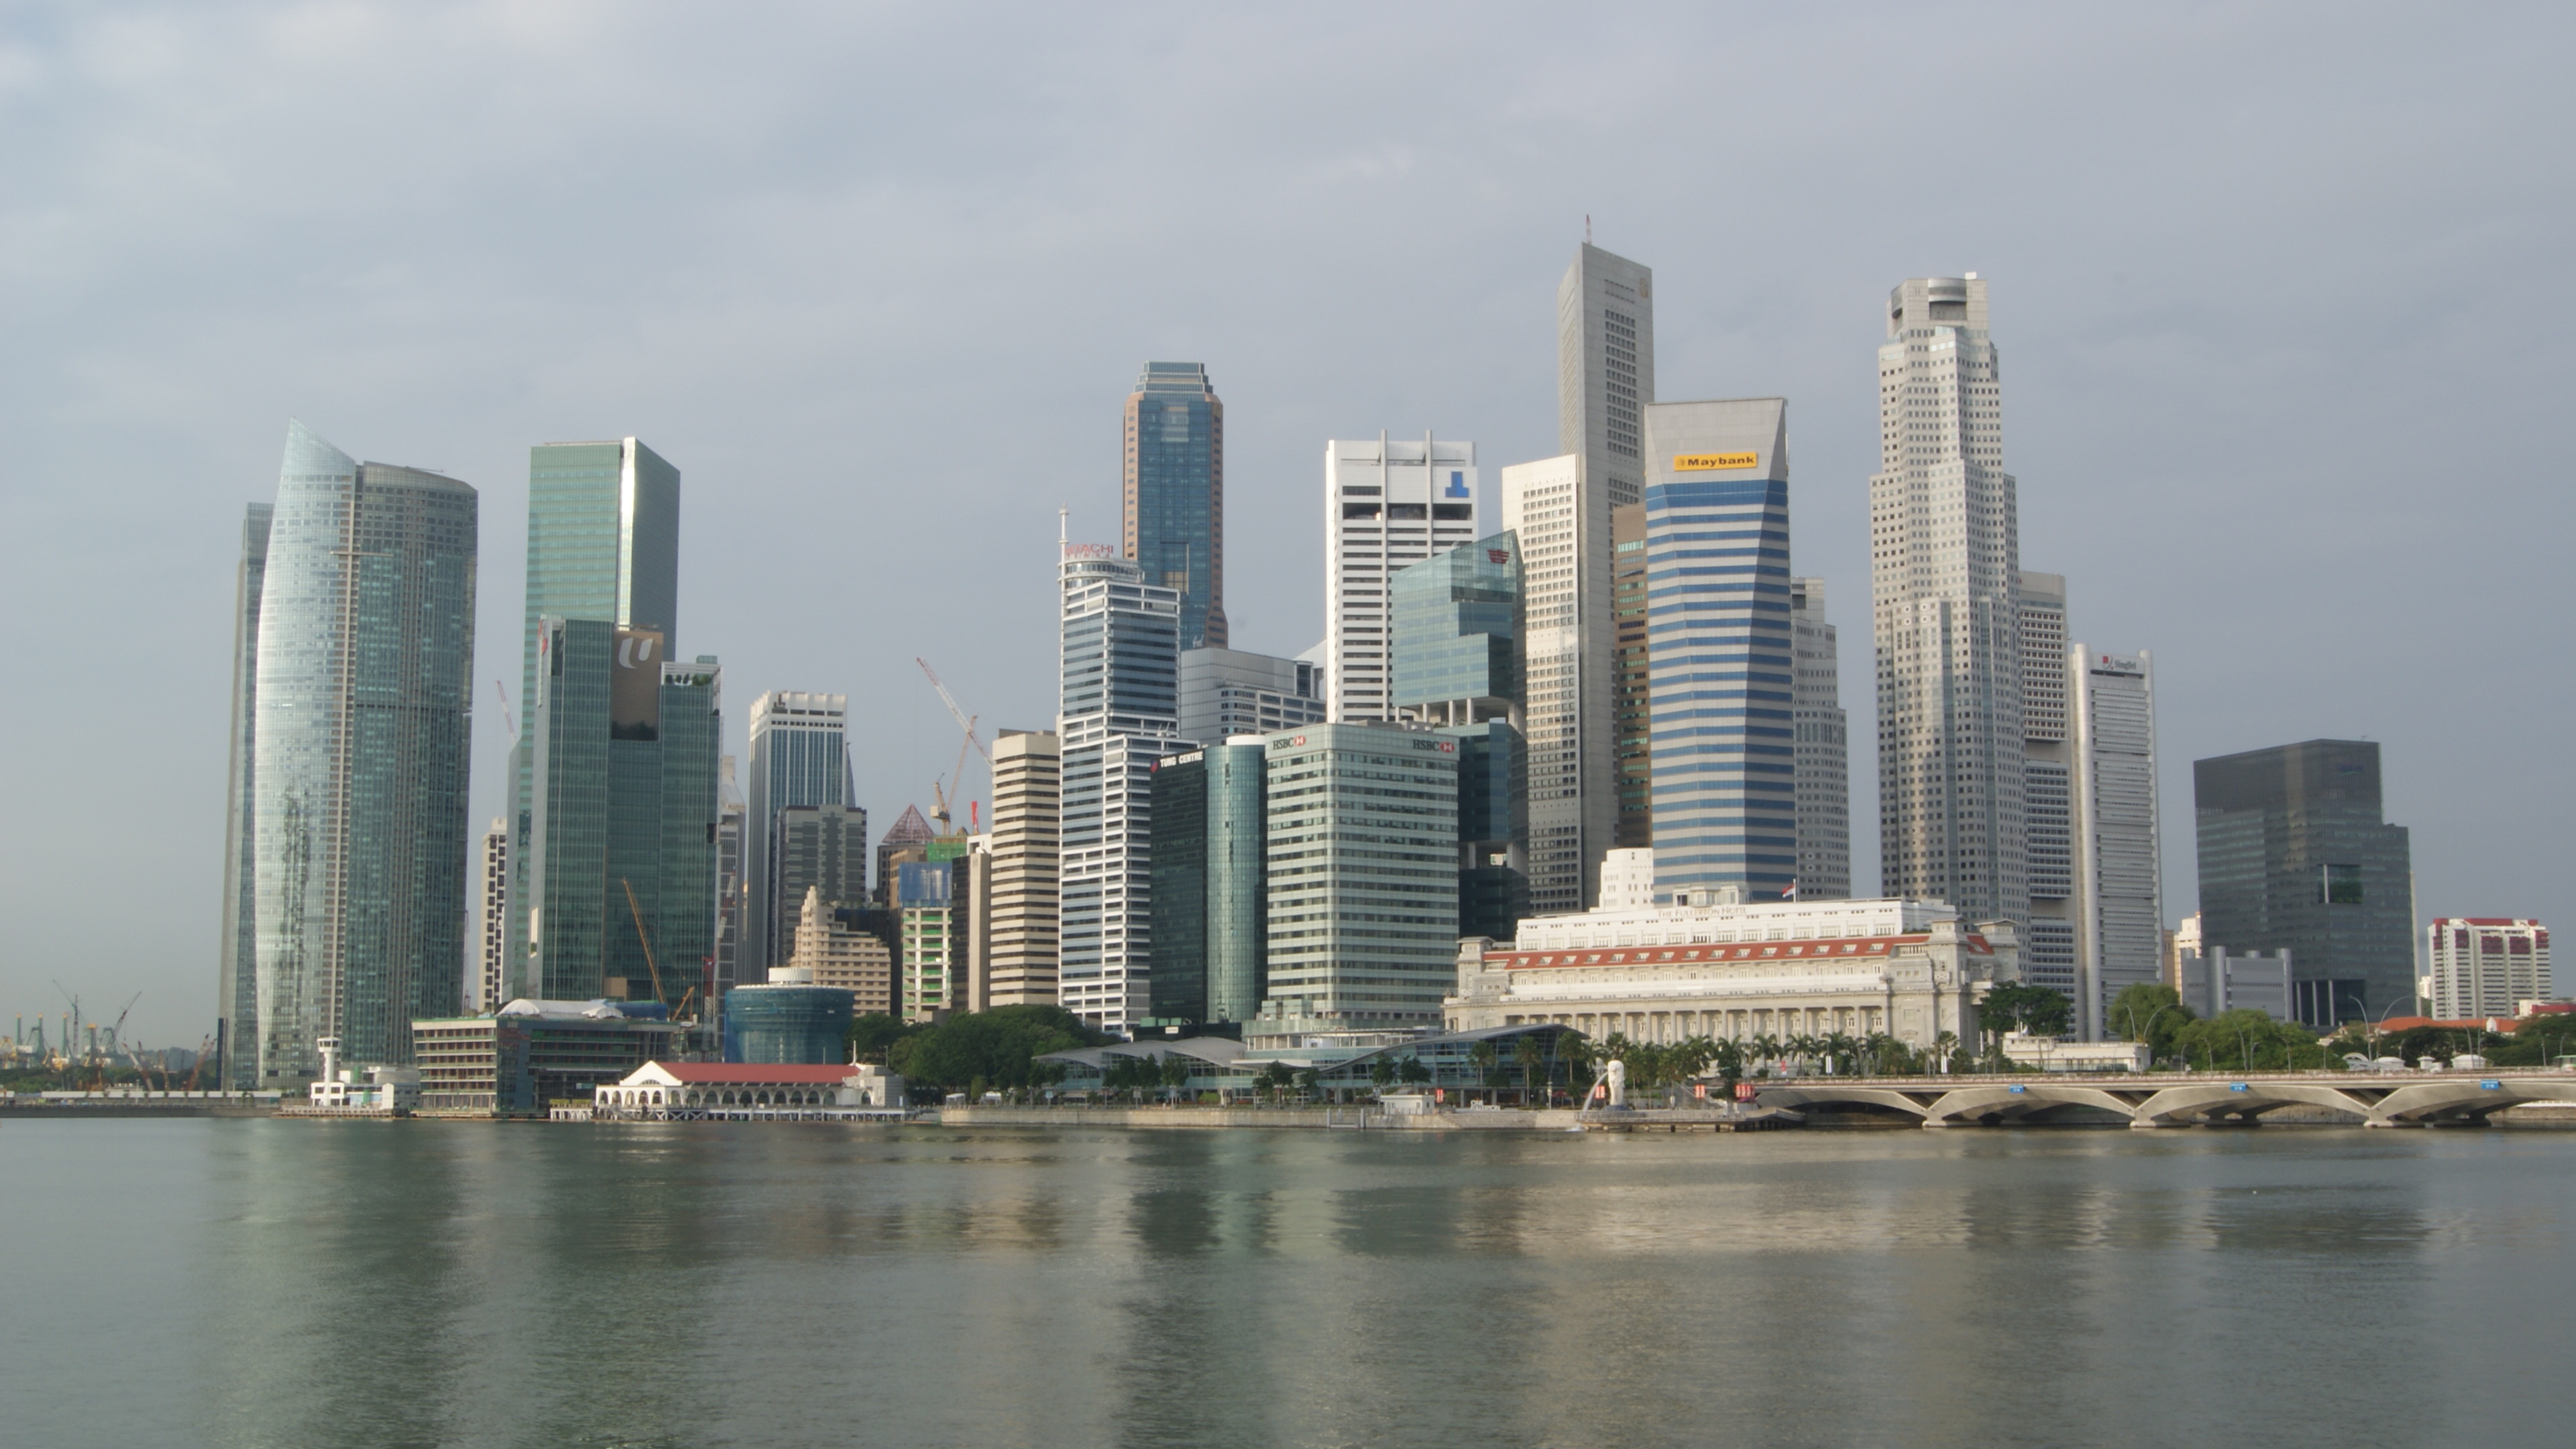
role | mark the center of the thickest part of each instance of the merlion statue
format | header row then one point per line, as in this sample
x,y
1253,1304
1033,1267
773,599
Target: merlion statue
x,y
1618,1083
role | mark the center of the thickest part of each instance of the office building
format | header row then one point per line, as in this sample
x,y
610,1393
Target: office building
x,y
2485,966
2119,874
618,887
814,847
1211,885
1117,712
1568,647
2218,980
1387,504
1173,503
1723,670
1631,681
925,904
1605,371
910,833
732,906
603,548
236,979
1228,692
491,960
1738,971
526,1055
359,700
1456,666
785,1020
2295,856
1823,750
1944,574
1363,909
2049,854
1027,840
799,756
831,951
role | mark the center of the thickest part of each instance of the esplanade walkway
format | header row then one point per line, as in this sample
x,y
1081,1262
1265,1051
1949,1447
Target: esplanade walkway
x,y
2176,1099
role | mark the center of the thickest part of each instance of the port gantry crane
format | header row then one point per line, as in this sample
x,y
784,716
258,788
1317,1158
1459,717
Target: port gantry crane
x,y
941,799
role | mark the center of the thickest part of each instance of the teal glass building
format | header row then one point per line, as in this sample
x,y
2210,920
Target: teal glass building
x,y
1174,499
355,768
1211,885
1457,620
1721,671
619,883
237,982
789,1024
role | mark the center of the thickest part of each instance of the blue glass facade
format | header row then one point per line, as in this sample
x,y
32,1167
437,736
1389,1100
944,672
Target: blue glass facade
x,y
1175,493
1721,656
358,758
799,756
1456,619
772,1025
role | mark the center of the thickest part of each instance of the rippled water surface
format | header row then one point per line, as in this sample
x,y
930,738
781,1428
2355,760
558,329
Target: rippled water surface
x,y
174,1282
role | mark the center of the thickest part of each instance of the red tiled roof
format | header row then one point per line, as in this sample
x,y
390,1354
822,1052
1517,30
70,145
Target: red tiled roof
x,y
715,1074
1855,948
2502,1024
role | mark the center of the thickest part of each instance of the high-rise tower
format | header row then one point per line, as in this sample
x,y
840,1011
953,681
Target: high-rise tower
x,y
1824,750
799,756
1174,499
1945,569
360,729
1605,369
1387,505
237,982
1722,664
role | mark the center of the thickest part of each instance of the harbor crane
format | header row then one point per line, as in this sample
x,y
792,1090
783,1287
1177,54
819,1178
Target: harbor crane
x,y
942,799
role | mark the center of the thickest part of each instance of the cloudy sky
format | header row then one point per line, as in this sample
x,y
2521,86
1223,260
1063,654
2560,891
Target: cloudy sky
x,y
2271,286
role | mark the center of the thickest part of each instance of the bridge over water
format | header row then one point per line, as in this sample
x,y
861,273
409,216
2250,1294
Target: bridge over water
x,y
2409,1099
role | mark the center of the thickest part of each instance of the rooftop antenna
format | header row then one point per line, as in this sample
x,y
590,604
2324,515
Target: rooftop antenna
x,y
1062,537
1587,228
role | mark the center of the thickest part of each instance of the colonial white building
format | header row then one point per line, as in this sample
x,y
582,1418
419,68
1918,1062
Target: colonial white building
x,y
661,1091
1715,968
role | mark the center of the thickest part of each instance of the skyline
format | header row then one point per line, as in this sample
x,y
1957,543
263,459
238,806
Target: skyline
x,y
2204,339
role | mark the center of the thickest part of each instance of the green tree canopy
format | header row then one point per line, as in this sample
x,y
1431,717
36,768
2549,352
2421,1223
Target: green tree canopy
x,y
2149,1012
875,1034
2248,1040
2034,1009
998,1045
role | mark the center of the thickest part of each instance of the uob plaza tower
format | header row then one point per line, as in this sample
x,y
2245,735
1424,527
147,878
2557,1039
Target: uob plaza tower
x,y
1945,563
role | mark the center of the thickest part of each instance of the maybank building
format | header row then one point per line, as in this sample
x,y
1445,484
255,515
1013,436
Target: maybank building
x,y
1721,659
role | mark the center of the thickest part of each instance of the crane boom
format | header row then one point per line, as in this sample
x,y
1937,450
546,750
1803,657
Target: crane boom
x,y
640,935
964,721
508,721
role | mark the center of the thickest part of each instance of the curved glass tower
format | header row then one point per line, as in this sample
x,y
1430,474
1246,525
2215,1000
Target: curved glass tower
x,y
360,732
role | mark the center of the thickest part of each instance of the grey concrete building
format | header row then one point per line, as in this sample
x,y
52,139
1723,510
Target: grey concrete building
x,y
1823,760
1229,692
1945,618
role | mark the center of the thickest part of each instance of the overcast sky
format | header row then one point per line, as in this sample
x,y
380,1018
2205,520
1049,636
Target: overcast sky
x,y
2271,285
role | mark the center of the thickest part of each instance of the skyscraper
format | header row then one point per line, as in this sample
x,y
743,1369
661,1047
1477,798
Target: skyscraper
x,y
799,756
2119,872
1605,371
360,712
1118,701
1229,692
237,980
1568,682
1028,824
1631,680
1386,505
1945,567
619,887
2485,966
909,832
732,907
1723,661
492,956
1456,645
814,847
2057,903
1174,499
2295,856
1824,750
1363,908
1211,884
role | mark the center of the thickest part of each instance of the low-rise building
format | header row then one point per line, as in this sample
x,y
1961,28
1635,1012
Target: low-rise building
x,y
1713,966
787,1020
531,1053
2218,980
681,1091
835,953
2052,1055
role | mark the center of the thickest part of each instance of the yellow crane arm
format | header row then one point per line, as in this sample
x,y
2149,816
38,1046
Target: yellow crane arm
x,y
641,935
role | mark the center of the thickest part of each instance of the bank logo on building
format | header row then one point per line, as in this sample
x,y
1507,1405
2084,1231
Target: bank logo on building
x,y
1457,484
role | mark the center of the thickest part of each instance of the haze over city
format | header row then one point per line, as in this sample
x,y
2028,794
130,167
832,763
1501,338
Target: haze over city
x,y
2267,288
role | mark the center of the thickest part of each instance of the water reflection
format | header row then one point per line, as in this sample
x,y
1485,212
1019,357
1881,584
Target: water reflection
x,y
708,1284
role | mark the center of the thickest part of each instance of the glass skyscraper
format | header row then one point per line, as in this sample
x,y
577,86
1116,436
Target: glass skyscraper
x,y
1118,701
237,983
1721,662
2295,856
1174,498
799,756
1211,884
356,770
1457,622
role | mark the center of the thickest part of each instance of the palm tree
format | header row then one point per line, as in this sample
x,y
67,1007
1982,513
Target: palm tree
x,y
1532,1059
1944,1047
1840,1047
1483,1055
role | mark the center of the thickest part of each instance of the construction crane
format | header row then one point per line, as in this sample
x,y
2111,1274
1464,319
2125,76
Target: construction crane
x,y
645,938
117,1030
507,721
943,799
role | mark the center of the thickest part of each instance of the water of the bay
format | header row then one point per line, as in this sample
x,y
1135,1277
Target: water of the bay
x,y
224,1283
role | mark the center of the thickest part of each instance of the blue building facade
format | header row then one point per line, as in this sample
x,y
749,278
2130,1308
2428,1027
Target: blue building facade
x,y
1722,665
1174,498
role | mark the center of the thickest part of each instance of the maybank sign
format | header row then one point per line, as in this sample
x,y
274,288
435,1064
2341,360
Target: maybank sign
x,y
1714,462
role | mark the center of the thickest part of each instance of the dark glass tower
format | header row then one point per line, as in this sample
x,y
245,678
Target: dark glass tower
x,y
2294,855
1458,621
1211,885
1174,500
